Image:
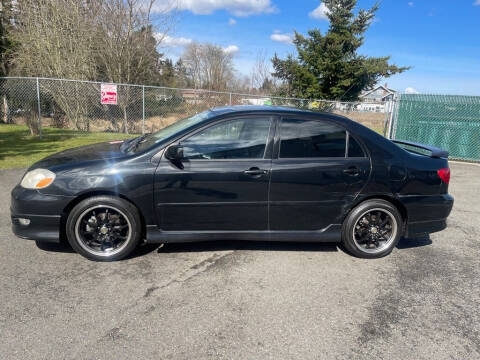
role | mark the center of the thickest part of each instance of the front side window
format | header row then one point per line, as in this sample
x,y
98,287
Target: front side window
x,y
171,130
233,139
311,139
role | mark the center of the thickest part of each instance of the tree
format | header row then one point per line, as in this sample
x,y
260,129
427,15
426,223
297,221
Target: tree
x,y
107,40
208,66
261,73
6,47
127,46
55,38
329,66
167,75
181,78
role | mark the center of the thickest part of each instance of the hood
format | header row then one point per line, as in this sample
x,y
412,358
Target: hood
x,y
102,151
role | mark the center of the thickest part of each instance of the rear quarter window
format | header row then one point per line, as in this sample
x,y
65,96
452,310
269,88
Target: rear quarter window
x,y
354,148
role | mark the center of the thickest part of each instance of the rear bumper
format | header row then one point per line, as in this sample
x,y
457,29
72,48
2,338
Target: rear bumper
x,y
43,211
426,214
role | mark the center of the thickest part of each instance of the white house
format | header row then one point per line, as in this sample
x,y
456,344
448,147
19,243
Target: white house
x,y
376,99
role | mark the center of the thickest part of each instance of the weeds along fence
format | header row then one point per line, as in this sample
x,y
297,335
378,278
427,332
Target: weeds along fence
x,y
135,109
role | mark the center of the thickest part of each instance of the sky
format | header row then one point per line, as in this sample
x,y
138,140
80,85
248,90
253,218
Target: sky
x,y
439,39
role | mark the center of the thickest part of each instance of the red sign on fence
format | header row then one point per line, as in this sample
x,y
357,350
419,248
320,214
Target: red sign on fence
x,y
108,94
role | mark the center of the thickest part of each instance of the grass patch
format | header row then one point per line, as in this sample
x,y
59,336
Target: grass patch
x,y
19,149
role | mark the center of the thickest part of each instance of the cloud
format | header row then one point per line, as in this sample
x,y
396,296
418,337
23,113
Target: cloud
x,y
411,3
232,21
169,41
411,90
320,13
476,3
283,38
231,49
206,7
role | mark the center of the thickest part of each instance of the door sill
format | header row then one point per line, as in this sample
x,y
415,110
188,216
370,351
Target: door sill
x,y
331,233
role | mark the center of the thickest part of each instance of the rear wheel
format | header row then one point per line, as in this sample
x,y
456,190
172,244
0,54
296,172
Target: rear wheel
x,y
104,228
372,229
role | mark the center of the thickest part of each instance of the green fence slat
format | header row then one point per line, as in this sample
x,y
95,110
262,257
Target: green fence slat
x,y
450,122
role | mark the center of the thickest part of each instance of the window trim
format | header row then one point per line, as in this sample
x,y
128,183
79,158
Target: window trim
x,y
360,143
271,128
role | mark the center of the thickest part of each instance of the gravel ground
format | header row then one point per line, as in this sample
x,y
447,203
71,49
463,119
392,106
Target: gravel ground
x,y
247,300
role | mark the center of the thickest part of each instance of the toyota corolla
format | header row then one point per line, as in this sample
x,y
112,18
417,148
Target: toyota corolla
x,y
243,173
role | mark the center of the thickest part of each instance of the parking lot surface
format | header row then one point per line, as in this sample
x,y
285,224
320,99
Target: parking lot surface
x,y
247,300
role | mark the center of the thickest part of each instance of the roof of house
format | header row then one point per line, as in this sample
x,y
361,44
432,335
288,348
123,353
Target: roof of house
x,y
385,89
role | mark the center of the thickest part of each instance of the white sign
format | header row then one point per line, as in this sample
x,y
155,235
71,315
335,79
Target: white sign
x,y
108,94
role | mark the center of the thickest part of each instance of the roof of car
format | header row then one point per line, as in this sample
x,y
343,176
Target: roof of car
x,y
274,109
266,108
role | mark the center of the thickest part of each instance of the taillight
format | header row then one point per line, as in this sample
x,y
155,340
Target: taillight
x,y
444,174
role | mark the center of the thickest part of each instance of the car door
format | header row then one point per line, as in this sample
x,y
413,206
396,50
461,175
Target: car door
x,y
317,171
222,181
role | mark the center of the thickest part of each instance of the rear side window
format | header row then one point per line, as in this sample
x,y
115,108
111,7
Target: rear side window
x,y
311,139
354,148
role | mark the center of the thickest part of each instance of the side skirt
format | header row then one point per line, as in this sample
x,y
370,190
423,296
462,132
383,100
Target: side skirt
x,y
331,233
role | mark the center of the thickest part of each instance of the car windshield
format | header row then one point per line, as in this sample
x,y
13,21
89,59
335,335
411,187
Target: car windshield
x,y
152,139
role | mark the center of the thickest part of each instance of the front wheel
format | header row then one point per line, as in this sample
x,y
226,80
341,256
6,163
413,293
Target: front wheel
x,y
104,228
372,229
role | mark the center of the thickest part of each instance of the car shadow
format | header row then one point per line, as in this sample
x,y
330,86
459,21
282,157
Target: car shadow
x,y
408,243
65,247
404,243
247,245
55,247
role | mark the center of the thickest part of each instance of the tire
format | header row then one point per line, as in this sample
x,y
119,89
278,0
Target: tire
x,y
363,234
104,228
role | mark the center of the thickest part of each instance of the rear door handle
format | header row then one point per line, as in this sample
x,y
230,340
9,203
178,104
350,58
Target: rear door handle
x,y
255,171
352,171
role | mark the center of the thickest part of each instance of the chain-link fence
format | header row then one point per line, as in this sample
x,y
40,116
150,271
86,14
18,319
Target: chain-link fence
x,y
85,107
41,103
446,121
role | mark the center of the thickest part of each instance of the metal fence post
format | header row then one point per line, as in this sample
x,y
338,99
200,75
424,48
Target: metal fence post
x,y
230,99
143,109
39,110
392,117
388,109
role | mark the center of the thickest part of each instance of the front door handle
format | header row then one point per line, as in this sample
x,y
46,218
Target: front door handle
x,y
352,171
255,171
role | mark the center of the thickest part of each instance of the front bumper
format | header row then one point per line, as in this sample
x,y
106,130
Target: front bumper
x,y
40,228
43,211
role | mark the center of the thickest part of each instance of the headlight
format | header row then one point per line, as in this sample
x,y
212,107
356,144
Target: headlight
x,y
37,179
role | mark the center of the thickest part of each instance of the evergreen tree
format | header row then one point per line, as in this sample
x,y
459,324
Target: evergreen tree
x,y
167,73
329,66
181,75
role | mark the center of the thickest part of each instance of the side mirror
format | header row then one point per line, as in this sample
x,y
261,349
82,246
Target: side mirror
x,y
174,153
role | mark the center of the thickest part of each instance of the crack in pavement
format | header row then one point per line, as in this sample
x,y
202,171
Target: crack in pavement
x,y
142,306
192,271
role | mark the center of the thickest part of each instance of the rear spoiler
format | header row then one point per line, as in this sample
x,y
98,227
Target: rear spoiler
x,y
435,152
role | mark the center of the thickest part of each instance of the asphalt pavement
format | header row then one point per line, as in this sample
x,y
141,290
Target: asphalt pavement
x,y
247,300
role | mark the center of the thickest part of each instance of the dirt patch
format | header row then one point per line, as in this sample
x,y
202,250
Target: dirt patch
x,y
375,121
